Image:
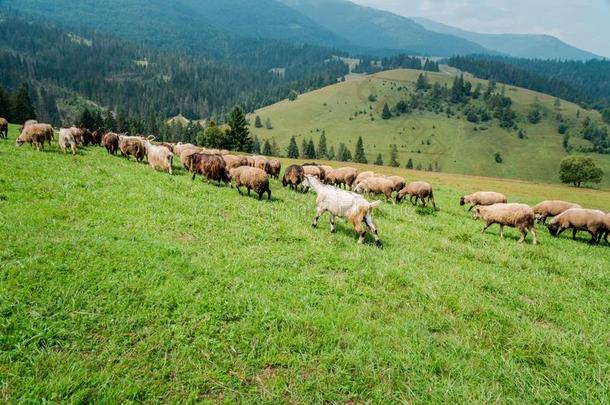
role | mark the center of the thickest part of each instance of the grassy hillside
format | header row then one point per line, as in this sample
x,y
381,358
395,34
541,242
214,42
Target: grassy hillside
x,y
454,143
120,283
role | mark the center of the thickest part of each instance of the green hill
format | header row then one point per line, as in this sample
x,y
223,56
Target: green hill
x,y
447,144
121,284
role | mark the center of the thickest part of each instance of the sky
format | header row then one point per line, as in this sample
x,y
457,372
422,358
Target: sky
x,y
582,23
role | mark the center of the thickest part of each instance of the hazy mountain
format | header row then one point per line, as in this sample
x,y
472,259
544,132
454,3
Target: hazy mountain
x,y
381,30
519,45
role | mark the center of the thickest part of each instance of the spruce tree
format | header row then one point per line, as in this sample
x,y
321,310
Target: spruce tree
x,y
85,119
394,156
311,150
257,122
5,105
422,82
322,149
256,146
331,153
304,149
379,160
239,134
293,149
386,114
359,155
268,124
410,164
22,107
275,150
109,121
267,149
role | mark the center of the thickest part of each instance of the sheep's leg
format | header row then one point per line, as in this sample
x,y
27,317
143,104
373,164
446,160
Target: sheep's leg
x,y
593,238
543,220
423,201
333,229
574,234
533,231
502,231
319,212
523,235
471,207
248,190
239,190
561,231
487,225
269,193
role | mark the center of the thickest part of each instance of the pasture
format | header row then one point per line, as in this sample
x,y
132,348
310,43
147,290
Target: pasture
x,y
120,284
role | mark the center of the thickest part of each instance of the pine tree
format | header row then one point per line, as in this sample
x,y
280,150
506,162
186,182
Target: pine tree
x,y
322,150
410,164
311,150
256,146
109,121
5,105
275,150
343,153
422,82
22,107
331,153
304,148
293,149
379,160
268,124
85,119
386,114
257,122
359,155
239,133
394,156
267,149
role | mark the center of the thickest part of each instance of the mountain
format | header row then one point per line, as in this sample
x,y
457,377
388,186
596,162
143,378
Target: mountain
x,y
518,45
440,135
376,30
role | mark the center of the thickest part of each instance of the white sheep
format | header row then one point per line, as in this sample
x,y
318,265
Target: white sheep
x,y
67,140
343,204
520,216
159,157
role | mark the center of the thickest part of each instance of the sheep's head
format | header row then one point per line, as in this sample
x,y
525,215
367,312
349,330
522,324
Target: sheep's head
x,y
284,181
359,188
19,141
462,201
307,181
553,228
476,214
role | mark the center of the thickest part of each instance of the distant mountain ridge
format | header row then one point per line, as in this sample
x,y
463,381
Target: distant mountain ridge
x,y
517,45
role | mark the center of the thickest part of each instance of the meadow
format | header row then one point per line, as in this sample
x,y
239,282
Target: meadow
x,y
452,145
119,284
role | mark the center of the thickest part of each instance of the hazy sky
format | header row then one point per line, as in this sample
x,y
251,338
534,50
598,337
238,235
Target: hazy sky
x,y
583,23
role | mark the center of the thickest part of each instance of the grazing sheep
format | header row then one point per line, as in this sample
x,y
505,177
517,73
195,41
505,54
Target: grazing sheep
x,y
343,204
186,157
260,162
399,182
66,139
25,124
86,136
35,135
606,231
376,185
520,216
180,147
252,178
212,167
234,161
551,209
167,145
251,161
483,198
132,146
293,176
579,219
159,157
312,170
97,136
327,171
3,128
273,169
111,143
420,190
344,176
361,177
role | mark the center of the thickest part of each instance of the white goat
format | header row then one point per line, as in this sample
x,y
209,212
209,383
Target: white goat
x,y
343,204
159,157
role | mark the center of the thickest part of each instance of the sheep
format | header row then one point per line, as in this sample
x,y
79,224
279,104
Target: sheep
x,y
327,171
420,190
66,139
252,178
260,162
399,182
343,204
36,135
159,157
483,198
551,209
167,145
180,147
186,157
111,143
579,219
344,176
520,216
606,231
132,145
86,136
3,128
273,168
293,176
376,185
251,161
233,161
25,124
361,177
97,136
212,167
312,170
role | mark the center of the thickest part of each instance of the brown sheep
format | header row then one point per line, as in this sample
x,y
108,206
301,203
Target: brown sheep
x,y
66,140
344,176
399,182
312,170
579,219
234,161
3,128
36,135
420,190
180,147
327,171
212,167
253,179
293,176
86,136
551,209
167,145
260,162
483,198
520,216
132,146
186,157
361,177
96,137
273,168
606,231
376,185
111,143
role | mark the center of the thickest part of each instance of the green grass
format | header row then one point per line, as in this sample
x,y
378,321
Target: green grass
x,y
118,283
455,145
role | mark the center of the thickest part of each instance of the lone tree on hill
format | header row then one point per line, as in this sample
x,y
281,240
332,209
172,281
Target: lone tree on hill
x,y
23,109
239,134
386,114
394,156
577,170
379,160
293,150
267,149
257,122
359,156
409,164
268,123
293,95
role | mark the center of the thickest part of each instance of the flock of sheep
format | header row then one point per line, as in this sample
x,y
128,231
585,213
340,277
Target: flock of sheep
x,y
340,192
